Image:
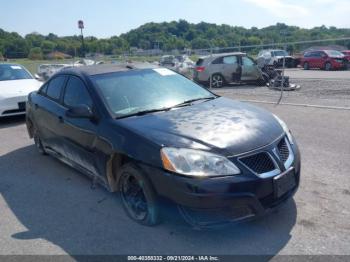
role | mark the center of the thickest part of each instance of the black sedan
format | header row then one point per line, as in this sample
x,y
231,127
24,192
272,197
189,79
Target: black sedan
x,y
153,135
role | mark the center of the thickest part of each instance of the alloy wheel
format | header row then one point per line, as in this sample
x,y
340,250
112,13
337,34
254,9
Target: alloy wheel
x,y
217,81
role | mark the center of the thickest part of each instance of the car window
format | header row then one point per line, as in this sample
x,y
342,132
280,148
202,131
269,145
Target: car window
x,y
200,62
218,61
55,87
137,90
334,53
43,89
246,61
76,93
230,60
13,72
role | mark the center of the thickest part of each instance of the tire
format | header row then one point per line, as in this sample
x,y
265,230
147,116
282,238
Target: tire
x,y
328,66
263,81
38,143
217,81
306,66
138,197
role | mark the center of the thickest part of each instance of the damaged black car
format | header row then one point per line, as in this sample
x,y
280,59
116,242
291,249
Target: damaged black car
x,y
152,134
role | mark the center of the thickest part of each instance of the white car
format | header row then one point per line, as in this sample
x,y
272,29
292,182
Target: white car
x,y
15,85
275,57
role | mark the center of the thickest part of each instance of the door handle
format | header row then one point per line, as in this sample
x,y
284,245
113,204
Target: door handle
x,y
60,119
36,106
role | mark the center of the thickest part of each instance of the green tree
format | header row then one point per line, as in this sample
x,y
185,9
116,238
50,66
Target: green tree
x,y
35,53
47,46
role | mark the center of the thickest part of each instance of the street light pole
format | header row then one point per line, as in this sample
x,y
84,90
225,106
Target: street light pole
x,y
81,27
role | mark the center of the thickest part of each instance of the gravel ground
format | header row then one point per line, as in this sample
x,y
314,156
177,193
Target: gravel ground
x,y
322,90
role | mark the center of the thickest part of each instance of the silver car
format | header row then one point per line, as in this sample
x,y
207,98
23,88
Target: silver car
x,y
221,69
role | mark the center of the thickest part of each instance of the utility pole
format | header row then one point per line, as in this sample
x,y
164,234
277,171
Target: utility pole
x,y
81,27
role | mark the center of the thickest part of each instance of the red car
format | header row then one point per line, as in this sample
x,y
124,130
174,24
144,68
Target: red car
x,y
346,54
324,59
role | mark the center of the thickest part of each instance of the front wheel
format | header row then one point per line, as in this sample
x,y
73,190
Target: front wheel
x,y
217,81
263,81
328,66
137,195
306,66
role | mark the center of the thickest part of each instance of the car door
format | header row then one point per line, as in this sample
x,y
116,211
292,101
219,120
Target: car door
x,y
230,65
313,59
322,59
47,111
78,134
250,70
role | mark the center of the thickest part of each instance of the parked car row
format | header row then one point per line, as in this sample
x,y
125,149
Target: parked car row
x,y
216,70
180,63
45,71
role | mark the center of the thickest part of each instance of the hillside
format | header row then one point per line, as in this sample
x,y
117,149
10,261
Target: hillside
x,y
167,36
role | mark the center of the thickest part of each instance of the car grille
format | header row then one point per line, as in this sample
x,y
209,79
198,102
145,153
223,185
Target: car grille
x,y
283,150
259,163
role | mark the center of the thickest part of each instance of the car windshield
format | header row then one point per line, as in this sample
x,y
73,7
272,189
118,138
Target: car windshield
x,y
13,72
135,91
280,53
334,53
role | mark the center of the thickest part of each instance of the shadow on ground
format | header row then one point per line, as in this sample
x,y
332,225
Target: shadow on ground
x,y
57,204
6,122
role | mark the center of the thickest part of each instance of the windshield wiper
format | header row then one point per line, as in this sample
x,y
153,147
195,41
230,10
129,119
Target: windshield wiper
x,y
144,112
148,111
189,102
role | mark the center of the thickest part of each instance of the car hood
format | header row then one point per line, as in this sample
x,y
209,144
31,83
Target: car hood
x,y
21,87
221,125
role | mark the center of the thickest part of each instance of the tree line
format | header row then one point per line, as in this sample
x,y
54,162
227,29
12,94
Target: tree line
x,y
166,36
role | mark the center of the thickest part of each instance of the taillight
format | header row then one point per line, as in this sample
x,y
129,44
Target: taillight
x,y
200,68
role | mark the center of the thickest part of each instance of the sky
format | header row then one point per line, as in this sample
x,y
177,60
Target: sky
x,y
105,18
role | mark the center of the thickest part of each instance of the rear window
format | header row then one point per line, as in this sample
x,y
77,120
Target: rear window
x,y
200,62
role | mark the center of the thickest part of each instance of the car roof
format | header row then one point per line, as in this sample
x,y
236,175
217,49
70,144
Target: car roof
x,y
106,68
223,54
270,50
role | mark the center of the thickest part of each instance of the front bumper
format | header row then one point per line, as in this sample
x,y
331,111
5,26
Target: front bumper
x,y
211,201
13,106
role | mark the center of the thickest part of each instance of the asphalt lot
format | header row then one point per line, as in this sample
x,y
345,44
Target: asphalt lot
x,y
48,208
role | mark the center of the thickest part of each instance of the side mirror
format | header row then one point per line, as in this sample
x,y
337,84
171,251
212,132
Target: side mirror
x,y
81,111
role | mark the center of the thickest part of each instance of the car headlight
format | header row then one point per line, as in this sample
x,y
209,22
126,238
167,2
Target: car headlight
x,y
196,163
285,128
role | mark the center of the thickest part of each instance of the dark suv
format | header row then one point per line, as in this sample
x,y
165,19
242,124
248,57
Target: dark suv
x,y
324,59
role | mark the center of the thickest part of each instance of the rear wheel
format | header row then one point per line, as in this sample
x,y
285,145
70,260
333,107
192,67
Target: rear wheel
x,y
137,195
328,66
306,66
217,81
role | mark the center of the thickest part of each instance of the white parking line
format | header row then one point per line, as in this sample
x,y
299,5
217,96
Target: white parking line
x,y
296,104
